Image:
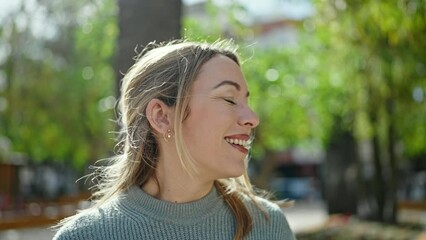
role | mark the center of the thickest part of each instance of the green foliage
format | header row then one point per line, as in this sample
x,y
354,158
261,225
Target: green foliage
x,y
288,97
382,46
60,87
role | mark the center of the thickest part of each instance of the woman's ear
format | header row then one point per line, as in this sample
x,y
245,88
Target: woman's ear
x,y
160,116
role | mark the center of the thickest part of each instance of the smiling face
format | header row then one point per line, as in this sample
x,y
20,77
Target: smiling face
x,y
220,121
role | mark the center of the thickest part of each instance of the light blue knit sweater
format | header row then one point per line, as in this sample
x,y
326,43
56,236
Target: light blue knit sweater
x,y
137,215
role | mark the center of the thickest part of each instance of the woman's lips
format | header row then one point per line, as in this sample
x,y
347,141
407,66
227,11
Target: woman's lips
x,y
240,148
239,141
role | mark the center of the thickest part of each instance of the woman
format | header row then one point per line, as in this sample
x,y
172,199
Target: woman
x,y
181,174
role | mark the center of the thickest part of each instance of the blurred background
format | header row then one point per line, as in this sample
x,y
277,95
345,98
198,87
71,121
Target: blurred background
x,y
339,87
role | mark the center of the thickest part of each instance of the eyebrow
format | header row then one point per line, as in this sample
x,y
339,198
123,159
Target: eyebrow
x,y
232,83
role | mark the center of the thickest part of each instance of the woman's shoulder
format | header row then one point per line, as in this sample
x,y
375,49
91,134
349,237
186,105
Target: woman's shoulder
x,y
258,204
88,224
272,209
75,225
268,219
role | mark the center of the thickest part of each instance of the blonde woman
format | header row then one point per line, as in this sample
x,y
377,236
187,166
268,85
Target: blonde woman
x,y
182,170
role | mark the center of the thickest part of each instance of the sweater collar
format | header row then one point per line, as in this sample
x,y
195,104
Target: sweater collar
x,y
137,201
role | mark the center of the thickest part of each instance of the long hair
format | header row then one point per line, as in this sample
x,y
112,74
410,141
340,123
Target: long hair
x,y
165,71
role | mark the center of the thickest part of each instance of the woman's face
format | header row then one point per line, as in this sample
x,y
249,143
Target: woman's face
x,y
220,121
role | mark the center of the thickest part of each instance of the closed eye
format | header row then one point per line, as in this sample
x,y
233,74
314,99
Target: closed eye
x,y
232,102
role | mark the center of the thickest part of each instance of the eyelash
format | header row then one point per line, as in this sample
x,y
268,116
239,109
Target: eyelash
x,y
230,101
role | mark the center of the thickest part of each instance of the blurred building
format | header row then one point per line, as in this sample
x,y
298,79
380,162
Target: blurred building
x,y
298,174
271,22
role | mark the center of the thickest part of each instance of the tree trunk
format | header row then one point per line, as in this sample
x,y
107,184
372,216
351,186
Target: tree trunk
x,y
378,184
141,22
266,171
390,207
340,185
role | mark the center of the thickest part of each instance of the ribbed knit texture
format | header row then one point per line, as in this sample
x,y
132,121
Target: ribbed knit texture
x,y
137,215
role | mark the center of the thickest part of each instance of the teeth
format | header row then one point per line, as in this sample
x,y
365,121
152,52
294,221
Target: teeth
x,y
238,142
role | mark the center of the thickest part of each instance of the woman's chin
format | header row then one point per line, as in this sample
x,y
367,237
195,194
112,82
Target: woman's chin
x,y
233,174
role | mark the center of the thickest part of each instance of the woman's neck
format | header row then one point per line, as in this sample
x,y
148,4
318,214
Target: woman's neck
x,y
176,186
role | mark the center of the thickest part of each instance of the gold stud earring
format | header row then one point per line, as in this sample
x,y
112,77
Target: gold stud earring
x,y
168,135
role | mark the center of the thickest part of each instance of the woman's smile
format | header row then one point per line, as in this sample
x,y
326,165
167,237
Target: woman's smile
x,y
241,142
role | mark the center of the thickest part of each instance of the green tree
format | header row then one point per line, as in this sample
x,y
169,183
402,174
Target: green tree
x,y
58,80
380,49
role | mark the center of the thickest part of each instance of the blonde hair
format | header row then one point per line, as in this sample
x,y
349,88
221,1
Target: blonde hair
x,y
166,72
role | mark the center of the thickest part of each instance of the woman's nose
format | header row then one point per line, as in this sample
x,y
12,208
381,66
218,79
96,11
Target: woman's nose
x,y
249,118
